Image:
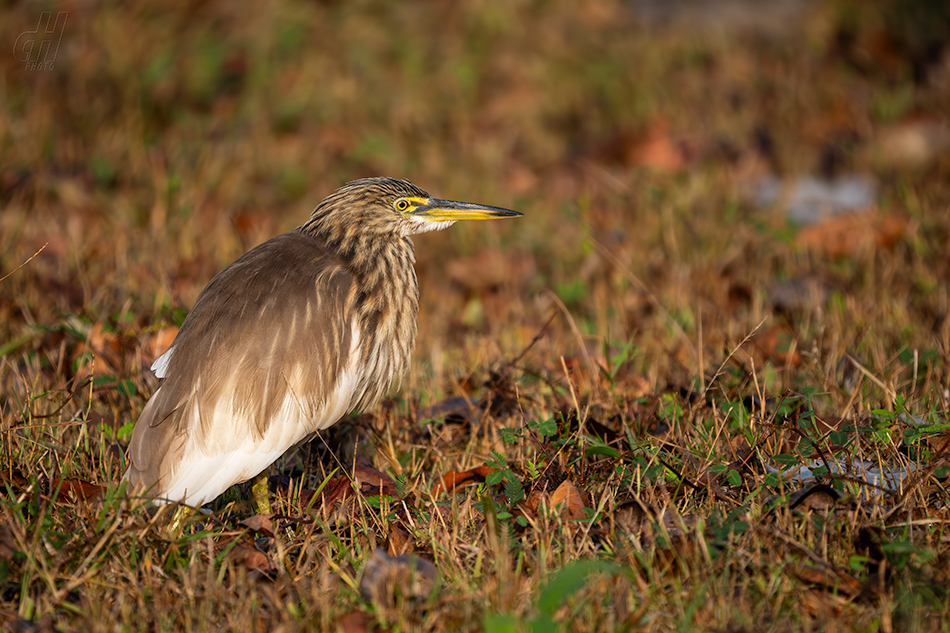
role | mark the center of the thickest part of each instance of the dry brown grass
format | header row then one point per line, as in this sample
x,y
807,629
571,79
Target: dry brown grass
x,y
648,336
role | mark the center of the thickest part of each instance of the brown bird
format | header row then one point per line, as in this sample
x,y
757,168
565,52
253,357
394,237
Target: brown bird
x,y
292,336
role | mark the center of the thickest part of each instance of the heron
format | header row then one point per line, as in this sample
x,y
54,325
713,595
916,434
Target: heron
x,y
292,336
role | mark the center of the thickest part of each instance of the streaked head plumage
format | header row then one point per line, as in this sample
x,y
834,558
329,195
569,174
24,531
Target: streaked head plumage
x,y
395,206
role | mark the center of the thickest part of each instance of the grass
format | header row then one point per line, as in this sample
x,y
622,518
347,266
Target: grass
x,y
671,407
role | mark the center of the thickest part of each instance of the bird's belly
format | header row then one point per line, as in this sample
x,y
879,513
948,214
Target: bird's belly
x,y
204,471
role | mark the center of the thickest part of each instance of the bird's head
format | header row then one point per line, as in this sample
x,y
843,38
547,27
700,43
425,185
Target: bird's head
x,y
425,213
391,205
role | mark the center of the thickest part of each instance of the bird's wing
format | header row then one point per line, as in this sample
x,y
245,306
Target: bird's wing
x,y
266,357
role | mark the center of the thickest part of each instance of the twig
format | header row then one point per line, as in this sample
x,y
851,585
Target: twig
x,y
731,354
537,337
26,262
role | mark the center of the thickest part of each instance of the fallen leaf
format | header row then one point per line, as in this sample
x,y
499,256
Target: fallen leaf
x,y
854,233
654,148
829,579
75,488
335,491
454,479
103,345
529,506
260,523
569,499
253,225
398,541
939,443
659,151
371,482
252,558
779,345
352,622
367,474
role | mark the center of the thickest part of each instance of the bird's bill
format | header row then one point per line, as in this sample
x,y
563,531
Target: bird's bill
x,y
435,210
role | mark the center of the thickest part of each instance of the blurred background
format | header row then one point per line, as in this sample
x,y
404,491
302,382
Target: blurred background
x,y
687,170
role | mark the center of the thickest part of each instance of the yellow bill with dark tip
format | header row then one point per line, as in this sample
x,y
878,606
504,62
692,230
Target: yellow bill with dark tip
x,y
436,210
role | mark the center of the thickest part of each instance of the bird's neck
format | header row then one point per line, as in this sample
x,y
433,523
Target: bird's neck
x,y
388,304
386,295
365,244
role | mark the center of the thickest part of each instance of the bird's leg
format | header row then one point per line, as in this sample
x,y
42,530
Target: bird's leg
x,y
260,493
177,524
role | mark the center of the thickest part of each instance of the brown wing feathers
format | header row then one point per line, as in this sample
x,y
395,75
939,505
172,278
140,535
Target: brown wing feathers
x,y
250,339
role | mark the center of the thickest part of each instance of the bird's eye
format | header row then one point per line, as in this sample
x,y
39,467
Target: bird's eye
x,y
402,205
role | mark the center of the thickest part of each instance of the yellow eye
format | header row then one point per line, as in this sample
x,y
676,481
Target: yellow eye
x,y
402,205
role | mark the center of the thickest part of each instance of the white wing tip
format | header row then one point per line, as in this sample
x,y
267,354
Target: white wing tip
x,y
160,366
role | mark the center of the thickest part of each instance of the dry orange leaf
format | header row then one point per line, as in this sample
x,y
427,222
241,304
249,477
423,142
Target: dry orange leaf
x,y
367,474
372,482
104,345
453,479
850,234
353,622
822,604
654,148
659,152
75,488
533,500
778,344
569,499
830,579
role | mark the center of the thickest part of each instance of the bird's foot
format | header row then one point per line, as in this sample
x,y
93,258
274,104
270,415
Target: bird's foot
x,y
261,495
